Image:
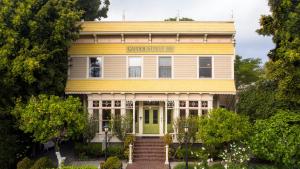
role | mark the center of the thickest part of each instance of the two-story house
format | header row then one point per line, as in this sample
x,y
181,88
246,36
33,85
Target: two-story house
x,y
155,72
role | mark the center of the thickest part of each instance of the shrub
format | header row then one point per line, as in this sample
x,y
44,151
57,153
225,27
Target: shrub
x,y
42,163
193,153
91,150
182,166
26,163
236,154
115,150
223,126
129,139
168,139
112,163
79,167
277,139
216,166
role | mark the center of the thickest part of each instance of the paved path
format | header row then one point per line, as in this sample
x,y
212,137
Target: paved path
x,y
147,165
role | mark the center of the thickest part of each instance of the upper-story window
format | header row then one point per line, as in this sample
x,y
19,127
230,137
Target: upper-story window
x,y
165,67
134,67
95,67
205,67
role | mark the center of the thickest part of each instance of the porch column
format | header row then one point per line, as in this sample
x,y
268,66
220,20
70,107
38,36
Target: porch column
x,y
123,107
161,118
187,110
210,104
175,116
133,117
141,114
166,116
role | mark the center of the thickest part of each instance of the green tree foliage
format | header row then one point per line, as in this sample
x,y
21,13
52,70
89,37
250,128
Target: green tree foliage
x,y
277,139
180,19
258,101
51,118
121,125
223,126
192,123
284,65
247,71
93,9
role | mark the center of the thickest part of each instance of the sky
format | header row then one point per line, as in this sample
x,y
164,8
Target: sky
x,y
246,14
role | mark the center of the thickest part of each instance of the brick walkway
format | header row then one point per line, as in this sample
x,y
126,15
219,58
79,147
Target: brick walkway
x,y
147,165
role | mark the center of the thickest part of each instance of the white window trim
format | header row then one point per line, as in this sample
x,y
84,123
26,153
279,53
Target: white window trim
x,y
127,67
172,67
212,68
88,67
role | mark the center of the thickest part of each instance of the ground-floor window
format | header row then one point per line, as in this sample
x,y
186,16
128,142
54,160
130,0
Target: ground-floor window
x,y
182,113
106,117
193,113
95,119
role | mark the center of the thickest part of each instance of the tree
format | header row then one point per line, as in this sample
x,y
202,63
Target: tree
x,y
93,9
34,38
180,19
51,118
277,139
246,71
222,127
258,100
121,125
284,66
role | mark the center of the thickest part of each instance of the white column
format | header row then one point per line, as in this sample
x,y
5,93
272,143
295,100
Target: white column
x,y
199,108
133,117
167,154
130,154
141,114
175,117
210,104
166,117
161,119
123,107
187,112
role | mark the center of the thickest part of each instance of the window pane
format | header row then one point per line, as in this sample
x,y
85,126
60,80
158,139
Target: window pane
x,y
169,117
106,103
146,116
205,72
165,67
135,71
165,61
95,67
96,119
135,61
182,113
95,103
193,113
106,114
205,62
155,116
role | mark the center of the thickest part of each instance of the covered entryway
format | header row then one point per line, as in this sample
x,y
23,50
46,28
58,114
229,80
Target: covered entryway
x,y
151,121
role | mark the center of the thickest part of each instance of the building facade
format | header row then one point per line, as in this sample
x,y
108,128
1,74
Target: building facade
x,y
154,72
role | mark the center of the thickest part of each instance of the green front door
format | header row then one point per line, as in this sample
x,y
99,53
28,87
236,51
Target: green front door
x,y
151,121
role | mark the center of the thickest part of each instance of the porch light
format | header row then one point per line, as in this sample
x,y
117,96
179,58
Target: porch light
x,y
106,128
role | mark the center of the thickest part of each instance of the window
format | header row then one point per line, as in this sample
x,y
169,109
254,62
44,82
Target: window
x,y
117,103
134,67
204,112
169,116
165,67
95,67
205,67
96,119
147,117
106,103
155,116
95,103
182,113
193,113
204,103
182,103
193,103
106,117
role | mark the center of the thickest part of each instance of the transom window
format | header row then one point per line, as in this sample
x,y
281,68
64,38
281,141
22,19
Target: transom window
x,y
165,67
106,103
205,67
134,67
95,69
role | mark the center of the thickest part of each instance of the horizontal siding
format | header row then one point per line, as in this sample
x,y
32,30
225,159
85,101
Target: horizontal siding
x,y
78,67
223,67
150,66
114,67
219,39
121,49
185,67
136,39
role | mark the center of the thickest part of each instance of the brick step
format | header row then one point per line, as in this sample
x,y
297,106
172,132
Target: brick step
x,y
149,156
149,144
148,159
148,151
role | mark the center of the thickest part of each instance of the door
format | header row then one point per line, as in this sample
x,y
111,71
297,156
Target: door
x,y
151,121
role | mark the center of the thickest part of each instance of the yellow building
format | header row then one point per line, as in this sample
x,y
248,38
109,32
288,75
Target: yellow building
x,y
154,71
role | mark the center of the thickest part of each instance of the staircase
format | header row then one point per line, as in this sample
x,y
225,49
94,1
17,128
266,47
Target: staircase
x,y
149,149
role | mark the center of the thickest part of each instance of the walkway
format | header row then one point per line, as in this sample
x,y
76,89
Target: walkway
x,y
147,165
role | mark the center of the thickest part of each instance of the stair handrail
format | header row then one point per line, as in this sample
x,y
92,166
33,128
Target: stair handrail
x,y
130,154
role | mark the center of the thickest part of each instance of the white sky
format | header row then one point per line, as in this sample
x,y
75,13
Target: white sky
x,y
246,16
